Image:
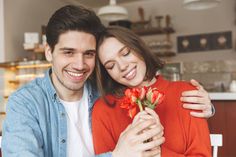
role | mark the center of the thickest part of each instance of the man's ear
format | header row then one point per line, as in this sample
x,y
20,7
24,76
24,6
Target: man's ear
x,y
48,53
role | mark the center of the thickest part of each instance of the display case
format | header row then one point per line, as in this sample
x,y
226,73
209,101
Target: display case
x,y
15,74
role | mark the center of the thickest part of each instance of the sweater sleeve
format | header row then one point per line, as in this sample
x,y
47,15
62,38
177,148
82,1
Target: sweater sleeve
x,y
102,136
198,137
198,142
195,131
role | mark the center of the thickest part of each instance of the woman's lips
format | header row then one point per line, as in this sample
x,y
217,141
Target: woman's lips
x,y
131,74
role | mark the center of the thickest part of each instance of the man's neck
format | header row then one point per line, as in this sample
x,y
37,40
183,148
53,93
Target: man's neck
x,y
67,94
70,96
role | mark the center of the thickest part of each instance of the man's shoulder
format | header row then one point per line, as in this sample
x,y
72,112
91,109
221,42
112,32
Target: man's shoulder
x,y
34,88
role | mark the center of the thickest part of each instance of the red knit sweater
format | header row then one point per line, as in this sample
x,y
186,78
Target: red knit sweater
x,y
185,136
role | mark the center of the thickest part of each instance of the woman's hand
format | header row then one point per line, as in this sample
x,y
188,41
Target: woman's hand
x,y
151,114
132,139
198,100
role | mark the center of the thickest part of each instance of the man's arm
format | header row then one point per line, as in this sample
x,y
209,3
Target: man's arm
x,y
108,154
198,100
21,131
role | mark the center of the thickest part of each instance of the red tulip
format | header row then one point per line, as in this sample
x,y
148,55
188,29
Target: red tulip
x,y
154,97
130,106
135,98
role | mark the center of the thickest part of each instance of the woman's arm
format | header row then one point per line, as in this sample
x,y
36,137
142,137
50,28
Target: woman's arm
x,y
198,100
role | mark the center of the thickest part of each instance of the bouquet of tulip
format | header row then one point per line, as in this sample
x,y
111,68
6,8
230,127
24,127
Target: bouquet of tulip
x,y
139,98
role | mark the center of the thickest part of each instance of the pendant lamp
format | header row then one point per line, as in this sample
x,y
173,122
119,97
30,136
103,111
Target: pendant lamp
x,y
200,4
113,12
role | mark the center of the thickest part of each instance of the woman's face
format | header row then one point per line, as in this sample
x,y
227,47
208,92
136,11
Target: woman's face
x,y
122,63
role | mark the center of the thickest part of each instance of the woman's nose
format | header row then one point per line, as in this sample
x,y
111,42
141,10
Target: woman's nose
x,y
123,65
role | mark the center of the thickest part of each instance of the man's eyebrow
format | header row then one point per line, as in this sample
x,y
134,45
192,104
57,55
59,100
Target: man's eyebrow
x,y
67,48
91,50
72,49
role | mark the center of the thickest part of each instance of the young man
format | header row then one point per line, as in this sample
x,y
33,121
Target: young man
x,y
51,116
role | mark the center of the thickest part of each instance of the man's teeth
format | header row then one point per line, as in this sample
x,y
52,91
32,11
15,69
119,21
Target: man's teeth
x,y
75,74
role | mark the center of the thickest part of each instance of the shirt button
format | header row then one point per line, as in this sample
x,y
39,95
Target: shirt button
x,y
63,141
62,114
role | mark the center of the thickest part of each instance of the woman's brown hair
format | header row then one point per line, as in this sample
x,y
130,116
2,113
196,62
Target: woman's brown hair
x,y
106,85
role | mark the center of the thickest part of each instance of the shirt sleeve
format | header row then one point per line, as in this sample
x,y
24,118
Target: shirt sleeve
x,y
21,131
213,110
108,154
103,139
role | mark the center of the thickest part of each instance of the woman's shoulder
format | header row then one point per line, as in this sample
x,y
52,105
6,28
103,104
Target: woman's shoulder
x,y
180,86
106,104
109,110
173,93
166,85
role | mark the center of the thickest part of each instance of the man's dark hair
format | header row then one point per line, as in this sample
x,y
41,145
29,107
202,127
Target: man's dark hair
x,y
72,18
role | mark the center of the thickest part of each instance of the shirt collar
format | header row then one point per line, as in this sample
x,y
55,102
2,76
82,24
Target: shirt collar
x,y
92,91
49,85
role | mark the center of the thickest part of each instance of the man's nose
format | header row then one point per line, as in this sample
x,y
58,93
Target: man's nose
x,y
78,62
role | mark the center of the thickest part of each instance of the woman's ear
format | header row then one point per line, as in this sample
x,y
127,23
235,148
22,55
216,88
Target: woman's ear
x,y
48,53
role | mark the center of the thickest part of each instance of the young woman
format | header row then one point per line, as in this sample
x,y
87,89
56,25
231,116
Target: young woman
x,y
126,62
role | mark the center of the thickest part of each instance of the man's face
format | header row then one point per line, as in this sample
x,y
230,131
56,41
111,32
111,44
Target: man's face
x,y
73,61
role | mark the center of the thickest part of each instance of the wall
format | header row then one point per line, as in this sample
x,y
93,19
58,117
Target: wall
x,y
17,21
2,56
185,22
24,16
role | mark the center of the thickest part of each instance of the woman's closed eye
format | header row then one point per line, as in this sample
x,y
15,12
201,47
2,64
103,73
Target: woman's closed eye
x,y
126,51
109,66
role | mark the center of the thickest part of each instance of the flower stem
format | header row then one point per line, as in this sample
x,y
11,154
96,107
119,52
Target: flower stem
x,y
140,105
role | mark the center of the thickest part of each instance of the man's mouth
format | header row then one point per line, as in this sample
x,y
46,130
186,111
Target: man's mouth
x,y
77,76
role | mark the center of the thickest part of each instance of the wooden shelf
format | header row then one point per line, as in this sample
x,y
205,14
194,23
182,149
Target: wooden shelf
x,y
2,113
39,50
165,53
14,82
26,64
152,31
36,48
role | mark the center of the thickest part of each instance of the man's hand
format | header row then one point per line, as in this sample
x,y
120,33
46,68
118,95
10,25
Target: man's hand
x,y
132,139
198,100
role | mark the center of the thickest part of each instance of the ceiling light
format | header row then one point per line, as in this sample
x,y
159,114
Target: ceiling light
x,y
113,12
200,4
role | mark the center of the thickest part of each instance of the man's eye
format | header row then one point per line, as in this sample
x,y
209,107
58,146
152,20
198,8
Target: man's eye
x,y
89,54
68,53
